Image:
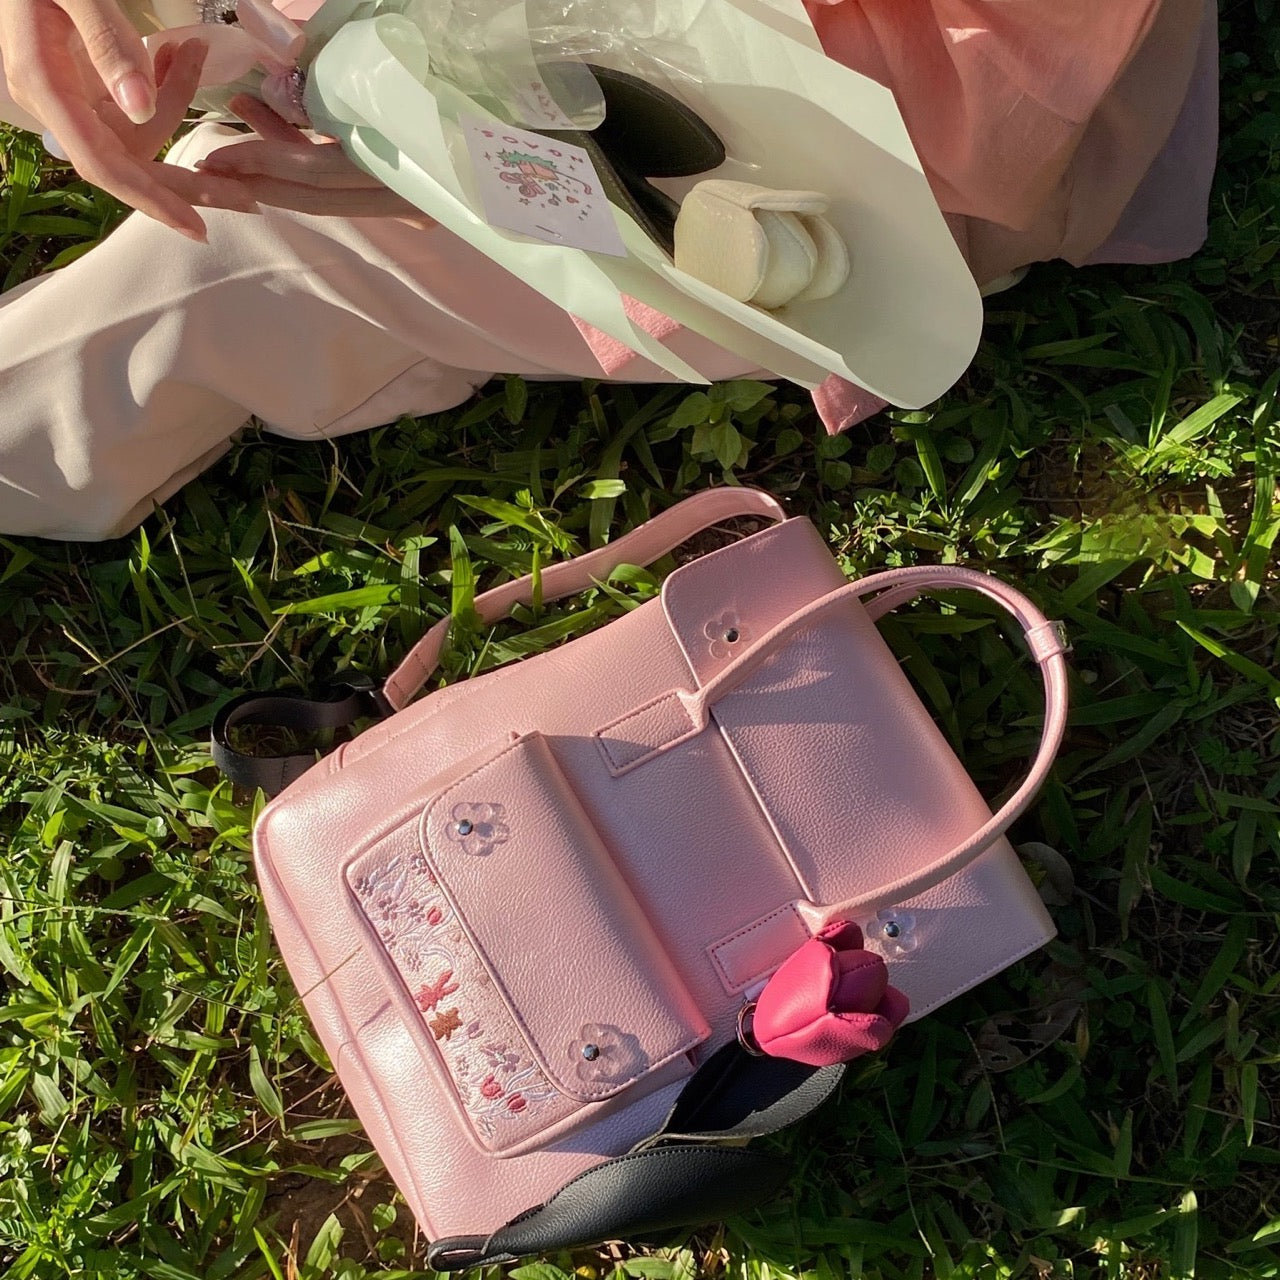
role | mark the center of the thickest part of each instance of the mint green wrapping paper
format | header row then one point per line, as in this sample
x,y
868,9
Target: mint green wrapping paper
x,y
904,326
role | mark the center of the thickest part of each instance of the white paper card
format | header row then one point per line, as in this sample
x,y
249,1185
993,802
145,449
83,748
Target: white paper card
x,y
540,187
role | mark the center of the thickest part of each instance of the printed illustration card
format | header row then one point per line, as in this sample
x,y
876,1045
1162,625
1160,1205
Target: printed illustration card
x,y
540,187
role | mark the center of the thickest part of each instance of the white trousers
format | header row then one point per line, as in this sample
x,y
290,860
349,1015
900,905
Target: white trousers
x,y
127,373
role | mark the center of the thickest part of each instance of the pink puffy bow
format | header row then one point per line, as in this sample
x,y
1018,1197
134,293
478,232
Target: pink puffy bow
x,y
829,1002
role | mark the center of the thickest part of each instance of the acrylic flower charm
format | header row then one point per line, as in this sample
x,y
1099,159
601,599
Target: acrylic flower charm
x,y
605,1055
478,828
893,932
830,1001
725,634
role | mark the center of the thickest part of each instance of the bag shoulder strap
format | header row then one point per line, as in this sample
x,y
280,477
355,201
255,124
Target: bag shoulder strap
x,y
358,699
643,545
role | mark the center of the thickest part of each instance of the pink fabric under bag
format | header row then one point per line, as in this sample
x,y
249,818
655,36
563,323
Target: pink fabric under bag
x,y
526,911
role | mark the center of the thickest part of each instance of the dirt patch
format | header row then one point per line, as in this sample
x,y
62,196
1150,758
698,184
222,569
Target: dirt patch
x,y
300,1202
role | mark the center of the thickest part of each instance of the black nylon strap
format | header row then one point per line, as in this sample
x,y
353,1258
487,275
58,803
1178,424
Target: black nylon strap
x,y
680,1177
346,704
638,1197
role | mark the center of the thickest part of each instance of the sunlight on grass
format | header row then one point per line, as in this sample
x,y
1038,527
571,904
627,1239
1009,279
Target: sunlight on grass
x,y
1107,1107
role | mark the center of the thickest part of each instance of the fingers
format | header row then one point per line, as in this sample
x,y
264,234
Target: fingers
x,y
322,165
178,77
117,53
212,191
45,74
363,202
265,122
285,168
100,157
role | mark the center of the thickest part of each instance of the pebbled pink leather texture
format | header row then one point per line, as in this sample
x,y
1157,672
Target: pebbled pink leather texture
x,y
617,859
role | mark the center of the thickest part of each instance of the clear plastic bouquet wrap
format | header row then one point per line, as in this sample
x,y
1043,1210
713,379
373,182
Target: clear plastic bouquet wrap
x,y
805,235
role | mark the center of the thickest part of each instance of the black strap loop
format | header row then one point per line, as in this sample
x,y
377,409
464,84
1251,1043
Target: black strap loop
x,y
355,699
735,1095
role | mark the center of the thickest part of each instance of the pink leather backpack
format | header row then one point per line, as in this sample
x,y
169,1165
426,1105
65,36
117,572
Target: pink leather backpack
x,y
571,929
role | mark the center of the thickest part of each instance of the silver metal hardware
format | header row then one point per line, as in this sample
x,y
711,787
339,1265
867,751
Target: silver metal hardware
x,y
218,10
745,1037
591,1052
465,827
892,929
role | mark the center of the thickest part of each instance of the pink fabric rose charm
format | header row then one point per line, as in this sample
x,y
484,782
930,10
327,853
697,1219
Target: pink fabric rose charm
x,y
830,1001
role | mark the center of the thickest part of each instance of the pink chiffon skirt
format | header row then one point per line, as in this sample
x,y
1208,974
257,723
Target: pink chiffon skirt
x,y
1076,129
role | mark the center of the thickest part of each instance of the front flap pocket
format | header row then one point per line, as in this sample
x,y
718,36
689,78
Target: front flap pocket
x,y
520,952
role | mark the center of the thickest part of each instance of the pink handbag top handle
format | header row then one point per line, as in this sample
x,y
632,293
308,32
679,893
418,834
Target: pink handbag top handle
x,y
643,545
883,592
887,591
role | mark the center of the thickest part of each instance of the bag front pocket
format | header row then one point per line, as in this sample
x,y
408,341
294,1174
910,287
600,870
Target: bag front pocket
x,y
519,954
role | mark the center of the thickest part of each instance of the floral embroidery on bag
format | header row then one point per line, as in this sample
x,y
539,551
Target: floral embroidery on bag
x,y
504,1092
431,994
443,1025
725,633
478,828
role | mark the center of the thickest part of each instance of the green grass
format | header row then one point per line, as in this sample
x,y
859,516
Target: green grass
x,y
1108,1107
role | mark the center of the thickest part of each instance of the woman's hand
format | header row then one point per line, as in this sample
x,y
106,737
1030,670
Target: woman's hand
x,y
286,168
81,69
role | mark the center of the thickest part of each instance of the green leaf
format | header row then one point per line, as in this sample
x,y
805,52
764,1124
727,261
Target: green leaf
x,y
1238,662
725,442
837,474
516,393
880,457
743,395
1182,1260
1157,1007
603,489
52,1101
539,1271
324,1247
462,578
344,601
931,464
1248,1099
1124,1146
692,410
268,1255
651,1268
787,442
908,473
263,1089
1196,424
